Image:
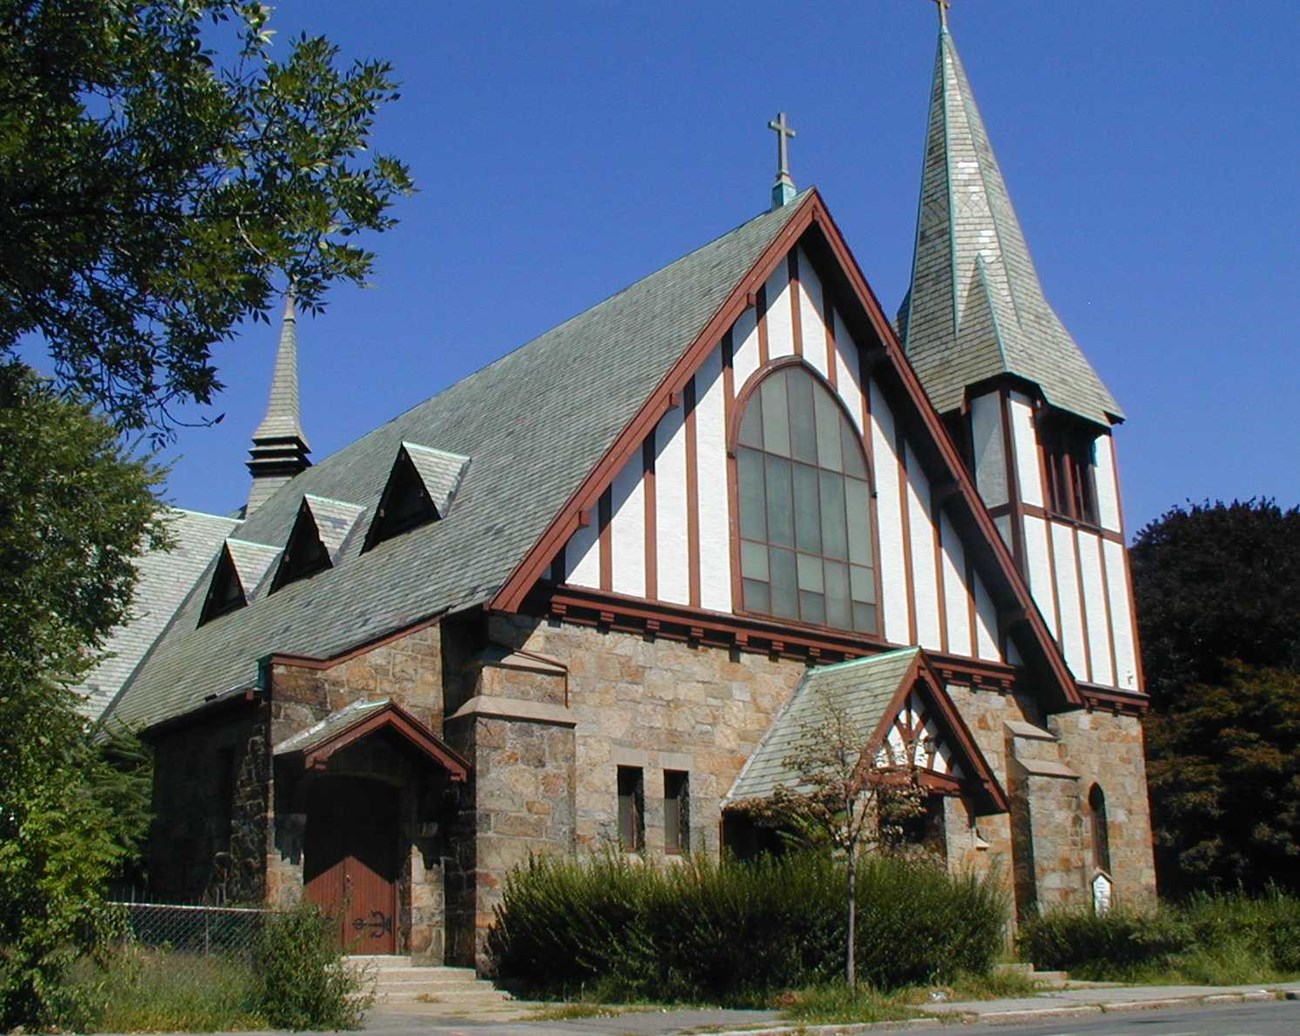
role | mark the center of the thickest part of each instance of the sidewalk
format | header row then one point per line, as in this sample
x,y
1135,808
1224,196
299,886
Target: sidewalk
x,y
1071,1001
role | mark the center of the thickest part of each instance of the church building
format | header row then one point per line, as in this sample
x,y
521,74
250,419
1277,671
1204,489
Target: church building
x,y
590,596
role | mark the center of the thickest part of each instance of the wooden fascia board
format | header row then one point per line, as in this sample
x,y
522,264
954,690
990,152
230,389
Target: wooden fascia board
x,y
947,453
390,717
512,593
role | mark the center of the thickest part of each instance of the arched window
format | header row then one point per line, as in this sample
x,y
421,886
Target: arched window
x,y
804,506
1100,829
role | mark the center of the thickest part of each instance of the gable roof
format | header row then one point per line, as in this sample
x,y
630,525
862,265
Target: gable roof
x,y
868,695
976,309
440,471
165,578
567,394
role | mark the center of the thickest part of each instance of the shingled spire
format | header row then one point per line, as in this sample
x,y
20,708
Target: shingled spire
x,y
975,309
279,448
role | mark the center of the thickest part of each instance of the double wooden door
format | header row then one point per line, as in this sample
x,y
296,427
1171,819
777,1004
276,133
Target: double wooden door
x,y
350,860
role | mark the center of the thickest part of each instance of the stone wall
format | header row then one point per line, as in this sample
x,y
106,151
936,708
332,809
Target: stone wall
x,y
210,797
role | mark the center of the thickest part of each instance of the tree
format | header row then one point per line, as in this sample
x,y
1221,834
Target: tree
x,y
74,509
162,176
1218,594
848,797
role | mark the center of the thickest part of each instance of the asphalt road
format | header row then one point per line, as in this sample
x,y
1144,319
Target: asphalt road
x,y
1270,1018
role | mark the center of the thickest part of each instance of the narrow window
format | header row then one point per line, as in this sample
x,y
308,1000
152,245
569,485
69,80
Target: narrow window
x,y
806,544
677,811
1069,457
1100,829
631,808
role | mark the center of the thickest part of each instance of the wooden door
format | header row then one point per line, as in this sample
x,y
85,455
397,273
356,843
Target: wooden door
x,y
350,860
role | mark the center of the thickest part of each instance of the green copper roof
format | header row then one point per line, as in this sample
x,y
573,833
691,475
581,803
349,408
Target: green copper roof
x,y
976,309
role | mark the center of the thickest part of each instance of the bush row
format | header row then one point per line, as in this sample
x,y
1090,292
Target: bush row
x,y
733,932
1209,938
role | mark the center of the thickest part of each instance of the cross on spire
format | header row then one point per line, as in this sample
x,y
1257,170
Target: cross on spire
x,y
783,190
943,6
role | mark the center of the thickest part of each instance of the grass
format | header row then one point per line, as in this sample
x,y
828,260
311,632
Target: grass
x,y
835,1004
581,1009
152,991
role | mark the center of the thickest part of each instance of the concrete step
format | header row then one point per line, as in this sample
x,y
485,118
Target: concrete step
x,y
1047,979
399,981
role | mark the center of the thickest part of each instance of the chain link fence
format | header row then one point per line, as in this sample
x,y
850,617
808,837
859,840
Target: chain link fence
x,y
201,930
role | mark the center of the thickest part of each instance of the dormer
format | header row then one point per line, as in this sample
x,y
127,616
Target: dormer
x,y
419,490
240,571
316,540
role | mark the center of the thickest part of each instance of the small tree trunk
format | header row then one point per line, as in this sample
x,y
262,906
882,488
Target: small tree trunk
x,y
851,957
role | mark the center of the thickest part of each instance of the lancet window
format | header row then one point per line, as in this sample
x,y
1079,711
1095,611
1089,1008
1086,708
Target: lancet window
x,y
804,502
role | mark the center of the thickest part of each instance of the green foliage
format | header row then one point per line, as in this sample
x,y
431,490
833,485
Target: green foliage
x,y
1218,592
1209,939
145,990
302,979
736,932
837,1004
74,508
162,165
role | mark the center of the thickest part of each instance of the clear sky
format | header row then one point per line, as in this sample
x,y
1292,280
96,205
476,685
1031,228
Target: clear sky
x,y
564,150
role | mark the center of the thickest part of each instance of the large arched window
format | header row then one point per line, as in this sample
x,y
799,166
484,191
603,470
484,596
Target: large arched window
x,y
804,506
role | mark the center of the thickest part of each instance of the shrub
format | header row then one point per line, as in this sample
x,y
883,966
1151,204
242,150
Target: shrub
x,y
1098,946
302,980
732,932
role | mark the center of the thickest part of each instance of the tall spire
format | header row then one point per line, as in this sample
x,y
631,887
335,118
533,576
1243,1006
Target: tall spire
x,y
976,308
279,448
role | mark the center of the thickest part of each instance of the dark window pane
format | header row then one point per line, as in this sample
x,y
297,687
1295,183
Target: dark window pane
x,y
812,607
853,463
753,504
780,502
838,612
785,600
751,425
803,436
807,516
758,598
859,508
753,561
864,617
631,808
776,416
835,536
677,799
829,442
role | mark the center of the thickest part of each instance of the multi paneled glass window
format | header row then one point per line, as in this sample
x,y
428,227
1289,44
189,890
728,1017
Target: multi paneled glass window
x,y
805,507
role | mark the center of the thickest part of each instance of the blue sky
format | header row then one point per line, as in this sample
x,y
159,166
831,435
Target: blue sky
x,y
564,150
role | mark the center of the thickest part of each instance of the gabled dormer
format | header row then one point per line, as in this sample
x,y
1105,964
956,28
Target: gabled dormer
x,y
240,571
316,541
419,490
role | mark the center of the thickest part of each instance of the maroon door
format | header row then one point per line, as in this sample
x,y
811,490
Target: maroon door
x,y
350,860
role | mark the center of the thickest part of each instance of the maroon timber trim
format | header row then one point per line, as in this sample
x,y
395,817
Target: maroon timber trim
x,y
312,662
905,527
512,593
941,588
605,537
796,308
980,780
811,213
1015,502
651,517
761,304
832,353
1110,617
584,607
1113,700
692,496
1083,608
388,717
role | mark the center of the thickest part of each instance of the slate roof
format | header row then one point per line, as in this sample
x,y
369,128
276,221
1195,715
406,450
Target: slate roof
x,y
863,688
251,561
440,472
976,308
533,425
165,580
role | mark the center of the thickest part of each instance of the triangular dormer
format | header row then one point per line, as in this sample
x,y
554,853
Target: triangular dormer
x,y
316,540
241,569
419,490
225,591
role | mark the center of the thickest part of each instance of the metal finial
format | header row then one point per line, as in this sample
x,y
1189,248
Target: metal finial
x,y
783,190
943,6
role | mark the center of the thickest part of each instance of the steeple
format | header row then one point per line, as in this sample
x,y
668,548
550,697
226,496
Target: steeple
x,y
279,448
976,309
